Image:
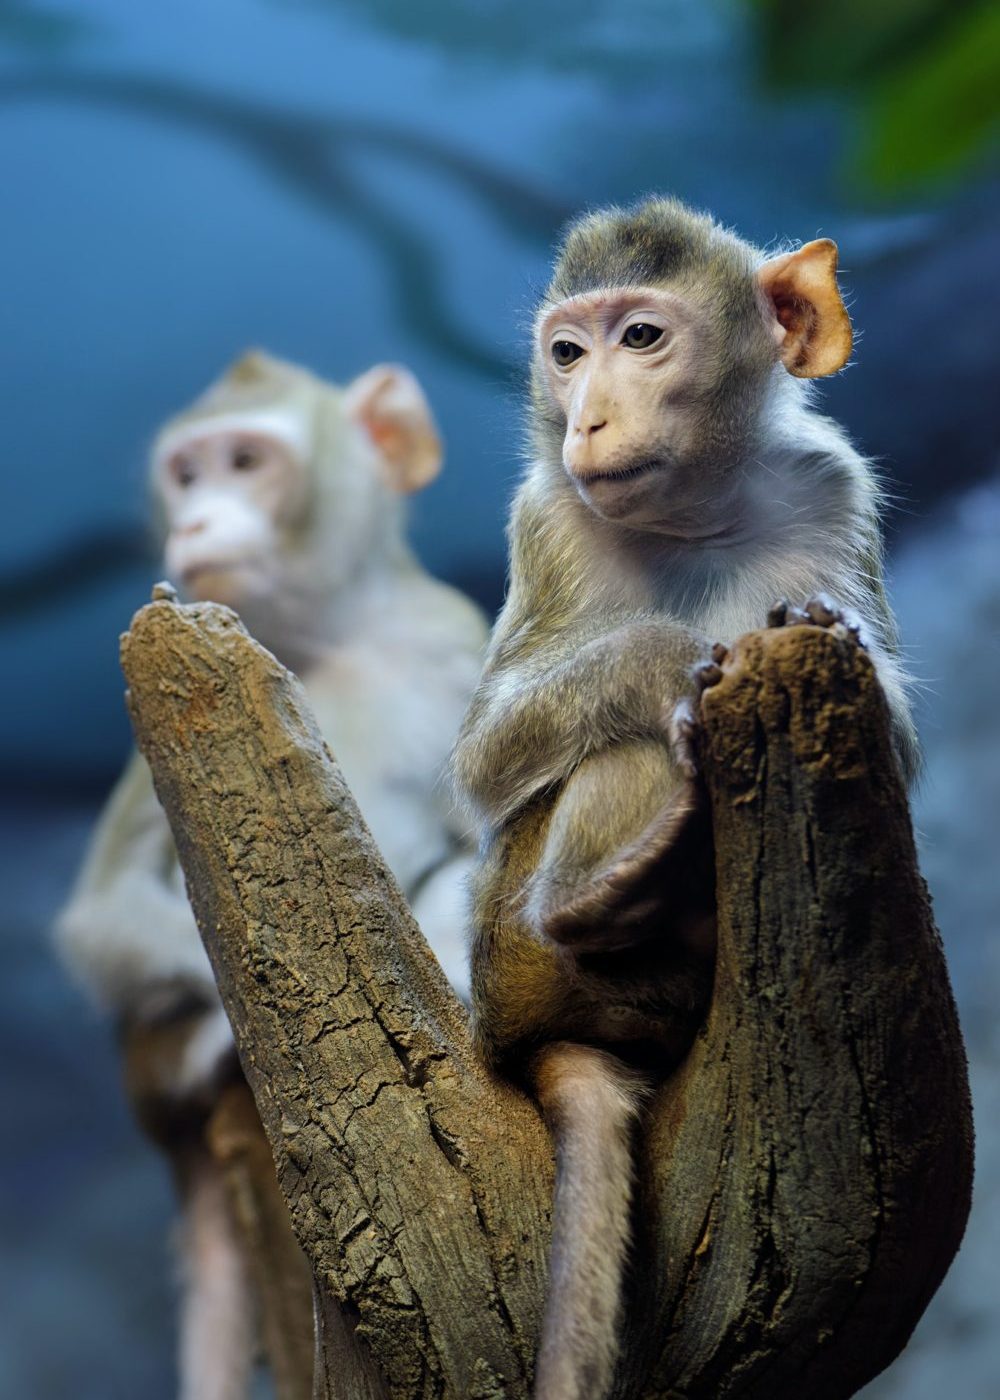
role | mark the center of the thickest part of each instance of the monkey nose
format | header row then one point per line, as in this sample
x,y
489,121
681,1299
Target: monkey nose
x,y
588,429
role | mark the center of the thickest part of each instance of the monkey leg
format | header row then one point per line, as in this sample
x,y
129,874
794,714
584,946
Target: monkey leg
x,y
590,1101
279,1270
217,1321
242,1268
619,850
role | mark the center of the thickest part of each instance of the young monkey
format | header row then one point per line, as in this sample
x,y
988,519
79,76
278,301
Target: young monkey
x,y
282,496
679,484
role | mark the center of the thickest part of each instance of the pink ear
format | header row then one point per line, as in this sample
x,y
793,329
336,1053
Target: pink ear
x,y
390,405
804,296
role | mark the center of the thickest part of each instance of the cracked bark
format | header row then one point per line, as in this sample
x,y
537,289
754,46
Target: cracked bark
x,y
805,1176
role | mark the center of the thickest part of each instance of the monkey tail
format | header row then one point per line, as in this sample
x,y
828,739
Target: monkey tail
x,y
590,1100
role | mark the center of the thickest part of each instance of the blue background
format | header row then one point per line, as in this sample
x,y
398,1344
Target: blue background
x,y
348,182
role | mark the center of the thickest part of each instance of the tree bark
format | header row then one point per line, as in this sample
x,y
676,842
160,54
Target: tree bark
x,y
805,1175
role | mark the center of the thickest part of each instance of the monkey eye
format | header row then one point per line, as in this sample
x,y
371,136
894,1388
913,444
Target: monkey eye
x,y
565,352
183,470
245,459
641,335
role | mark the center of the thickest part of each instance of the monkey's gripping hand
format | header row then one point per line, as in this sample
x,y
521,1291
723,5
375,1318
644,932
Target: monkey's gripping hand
x,y
819,611
682,722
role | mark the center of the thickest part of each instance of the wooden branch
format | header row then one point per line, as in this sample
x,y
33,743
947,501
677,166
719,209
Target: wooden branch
x,y
418,1189
810,1170
805,1174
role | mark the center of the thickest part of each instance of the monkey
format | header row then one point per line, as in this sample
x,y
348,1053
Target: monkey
x,y
282,496
679,483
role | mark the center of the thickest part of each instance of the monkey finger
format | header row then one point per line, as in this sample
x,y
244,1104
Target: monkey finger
x,y
797,617
825,613
822,611
720,653
707,674
776,615
852,625
848,632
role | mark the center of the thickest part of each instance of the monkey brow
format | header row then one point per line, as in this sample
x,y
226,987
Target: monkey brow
x,y
609,302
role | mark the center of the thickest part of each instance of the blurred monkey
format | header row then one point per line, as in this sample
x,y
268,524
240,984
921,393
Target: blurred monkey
x,y
679,485
280,495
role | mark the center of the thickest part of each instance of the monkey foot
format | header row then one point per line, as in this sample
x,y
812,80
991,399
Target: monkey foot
x,y
629,899
819,611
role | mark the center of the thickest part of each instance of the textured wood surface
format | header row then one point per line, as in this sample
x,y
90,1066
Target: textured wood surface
x,y
805,1176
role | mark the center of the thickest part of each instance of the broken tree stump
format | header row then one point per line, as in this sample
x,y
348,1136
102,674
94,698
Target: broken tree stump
x,y
805,1176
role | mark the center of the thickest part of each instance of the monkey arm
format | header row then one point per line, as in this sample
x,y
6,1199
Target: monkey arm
x,y
534,720
127,930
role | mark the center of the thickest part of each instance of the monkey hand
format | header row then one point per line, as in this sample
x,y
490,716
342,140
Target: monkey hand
x,y
682,720
818,611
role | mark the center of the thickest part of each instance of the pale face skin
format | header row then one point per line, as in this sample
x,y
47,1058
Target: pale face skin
x,y
226,496
630,369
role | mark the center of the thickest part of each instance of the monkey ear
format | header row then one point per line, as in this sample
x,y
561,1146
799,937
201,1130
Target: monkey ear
x,y
812,327
389,404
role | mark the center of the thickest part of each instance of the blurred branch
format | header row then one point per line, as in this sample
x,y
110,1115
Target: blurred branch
x,y
65,569
311,155
608,42
40,27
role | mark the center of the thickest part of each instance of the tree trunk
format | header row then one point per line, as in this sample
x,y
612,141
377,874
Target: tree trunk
x,y
805,1175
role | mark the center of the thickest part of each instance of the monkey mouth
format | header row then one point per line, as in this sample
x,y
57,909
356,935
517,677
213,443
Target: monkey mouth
x,y
213,566
220,580
632,472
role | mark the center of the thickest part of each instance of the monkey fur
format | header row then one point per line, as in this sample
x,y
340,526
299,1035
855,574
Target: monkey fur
x,y
281,495
679,483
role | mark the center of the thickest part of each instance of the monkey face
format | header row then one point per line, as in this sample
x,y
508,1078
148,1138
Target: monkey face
x,y
227,495
277,489
631,372
658,377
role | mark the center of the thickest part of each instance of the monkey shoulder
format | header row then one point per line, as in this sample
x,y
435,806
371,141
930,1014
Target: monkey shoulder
x,y
389,701
418,652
